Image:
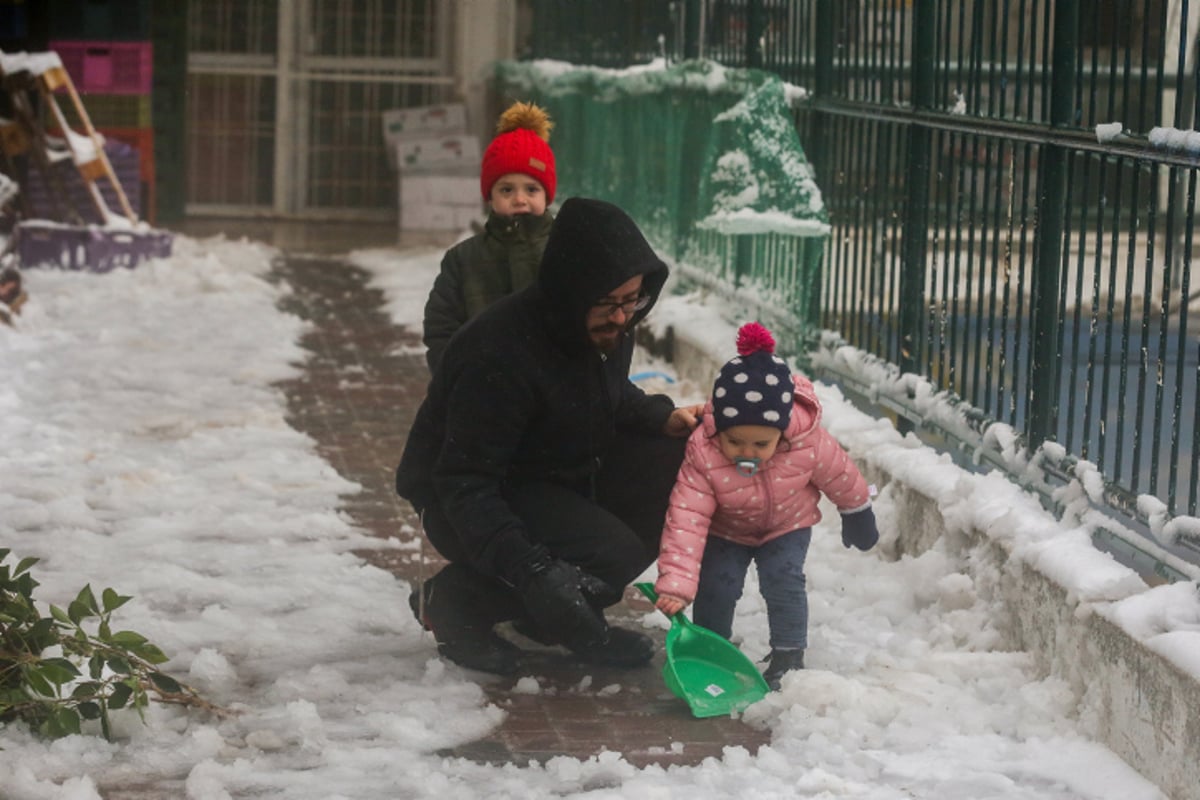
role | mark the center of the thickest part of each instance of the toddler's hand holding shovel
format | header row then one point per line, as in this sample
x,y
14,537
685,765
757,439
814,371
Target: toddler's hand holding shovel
x,y
669,604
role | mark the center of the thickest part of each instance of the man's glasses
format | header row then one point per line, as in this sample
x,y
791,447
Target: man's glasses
x,y
628,308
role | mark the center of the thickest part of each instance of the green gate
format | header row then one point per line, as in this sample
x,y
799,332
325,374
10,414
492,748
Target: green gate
x,y
1010,189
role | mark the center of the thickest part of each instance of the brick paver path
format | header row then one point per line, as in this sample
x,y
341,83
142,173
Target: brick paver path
x,y
361,386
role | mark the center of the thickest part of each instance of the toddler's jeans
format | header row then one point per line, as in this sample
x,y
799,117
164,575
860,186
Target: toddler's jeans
x,y
780,564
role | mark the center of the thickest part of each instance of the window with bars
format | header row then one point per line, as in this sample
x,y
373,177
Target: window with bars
x,y
301,130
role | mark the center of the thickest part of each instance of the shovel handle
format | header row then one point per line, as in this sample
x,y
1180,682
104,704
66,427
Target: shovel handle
x,y
677,618
648,590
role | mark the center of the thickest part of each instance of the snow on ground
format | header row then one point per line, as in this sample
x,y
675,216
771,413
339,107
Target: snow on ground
x,y
145,449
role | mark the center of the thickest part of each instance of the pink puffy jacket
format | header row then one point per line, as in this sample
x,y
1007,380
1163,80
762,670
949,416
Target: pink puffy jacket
x,y
710,497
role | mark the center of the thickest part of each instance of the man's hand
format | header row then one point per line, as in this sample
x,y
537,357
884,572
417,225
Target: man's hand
x,y
683,420
554,600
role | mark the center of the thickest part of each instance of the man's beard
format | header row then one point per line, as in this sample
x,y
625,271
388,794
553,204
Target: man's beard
x,y
606,337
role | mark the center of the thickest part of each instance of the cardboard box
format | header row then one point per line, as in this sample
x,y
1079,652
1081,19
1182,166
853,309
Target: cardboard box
x,y
440,189
421,122
405,123
439,217
437,153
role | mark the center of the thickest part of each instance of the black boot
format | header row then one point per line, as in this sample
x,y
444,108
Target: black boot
x,y
480,650
471,646
529,629
622,648
782,661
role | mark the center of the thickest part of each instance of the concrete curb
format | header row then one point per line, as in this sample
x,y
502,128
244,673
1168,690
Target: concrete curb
x,y
1131,699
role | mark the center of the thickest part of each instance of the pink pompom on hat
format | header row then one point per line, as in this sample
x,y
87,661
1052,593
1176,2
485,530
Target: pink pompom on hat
x,y
522,145
755,386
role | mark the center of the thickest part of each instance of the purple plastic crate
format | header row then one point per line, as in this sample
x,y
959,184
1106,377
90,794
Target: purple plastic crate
x,y
49,244
126,166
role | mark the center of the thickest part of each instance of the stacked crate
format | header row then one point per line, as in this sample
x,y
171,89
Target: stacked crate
x,y
438,166
104,46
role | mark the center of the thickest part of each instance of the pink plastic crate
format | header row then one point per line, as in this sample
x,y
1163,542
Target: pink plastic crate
x,y
107,67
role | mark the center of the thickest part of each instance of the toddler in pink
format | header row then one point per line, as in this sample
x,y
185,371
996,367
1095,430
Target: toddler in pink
x,y
748,490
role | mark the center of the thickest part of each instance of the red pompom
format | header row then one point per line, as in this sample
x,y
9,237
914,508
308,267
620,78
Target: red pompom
x,y
753,337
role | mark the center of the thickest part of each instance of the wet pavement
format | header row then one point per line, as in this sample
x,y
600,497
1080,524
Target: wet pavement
x,y
360,388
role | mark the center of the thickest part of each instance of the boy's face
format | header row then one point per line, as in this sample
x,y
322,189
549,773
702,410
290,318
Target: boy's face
x,y
739,442
517,193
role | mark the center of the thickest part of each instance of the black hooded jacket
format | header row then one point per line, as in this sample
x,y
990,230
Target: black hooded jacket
x,y
522,395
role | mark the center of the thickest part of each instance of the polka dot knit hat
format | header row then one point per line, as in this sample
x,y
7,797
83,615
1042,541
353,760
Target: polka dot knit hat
x,y
754,387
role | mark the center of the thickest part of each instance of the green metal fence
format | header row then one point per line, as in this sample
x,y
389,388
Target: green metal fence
x,y
1011,191
698,154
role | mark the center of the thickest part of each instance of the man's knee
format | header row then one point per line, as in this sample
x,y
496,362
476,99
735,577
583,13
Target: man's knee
x,y
617,560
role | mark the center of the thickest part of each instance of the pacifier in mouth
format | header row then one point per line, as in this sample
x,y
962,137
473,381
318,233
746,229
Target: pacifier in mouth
x,y
746,467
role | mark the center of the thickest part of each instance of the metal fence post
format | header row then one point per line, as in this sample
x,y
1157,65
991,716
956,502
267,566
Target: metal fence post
x,y
755,26
816,140
916,212
1046,356
692,9
743,263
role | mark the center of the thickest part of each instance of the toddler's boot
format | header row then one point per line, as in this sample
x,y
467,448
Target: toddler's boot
x,y
781,662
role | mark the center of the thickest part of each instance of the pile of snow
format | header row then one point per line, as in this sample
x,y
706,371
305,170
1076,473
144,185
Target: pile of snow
x,y
145,448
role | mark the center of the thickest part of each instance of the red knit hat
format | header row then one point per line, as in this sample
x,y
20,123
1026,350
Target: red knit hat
x,y
522,144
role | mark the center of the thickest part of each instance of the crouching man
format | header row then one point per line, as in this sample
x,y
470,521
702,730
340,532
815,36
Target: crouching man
x,y
541,473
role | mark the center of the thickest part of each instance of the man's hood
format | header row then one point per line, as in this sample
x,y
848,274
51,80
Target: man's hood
x,y
593,248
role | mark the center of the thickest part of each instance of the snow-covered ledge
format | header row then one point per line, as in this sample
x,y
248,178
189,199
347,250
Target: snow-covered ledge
x,y
1132,698
1130,652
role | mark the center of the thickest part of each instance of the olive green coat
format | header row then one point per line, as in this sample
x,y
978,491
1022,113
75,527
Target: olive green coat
x,y
478,271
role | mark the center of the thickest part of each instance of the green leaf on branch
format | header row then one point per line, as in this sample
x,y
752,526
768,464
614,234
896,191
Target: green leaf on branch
x,y
78,612
41,634
86,691
151,654
112,600
127,639
59,671
96,666
47,693
25,585
120,695
165,683
88,599
36,681
62,722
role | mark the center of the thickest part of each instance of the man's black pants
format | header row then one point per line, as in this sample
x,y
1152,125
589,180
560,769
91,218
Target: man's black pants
x,y
614,537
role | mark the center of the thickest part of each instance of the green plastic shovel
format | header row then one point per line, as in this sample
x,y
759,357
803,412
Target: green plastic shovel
x,y
706,669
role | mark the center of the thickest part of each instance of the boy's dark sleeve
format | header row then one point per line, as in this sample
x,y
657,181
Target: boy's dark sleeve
x,y
445,311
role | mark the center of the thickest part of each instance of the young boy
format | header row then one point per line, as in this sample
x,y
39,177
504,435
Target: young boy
x,y
517,179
